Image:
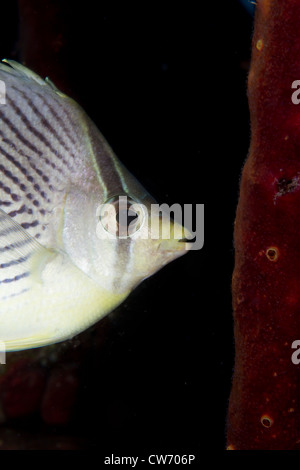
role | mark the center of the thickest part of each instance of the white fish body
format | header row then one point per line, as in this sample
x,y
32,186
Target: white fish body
x,y
57,276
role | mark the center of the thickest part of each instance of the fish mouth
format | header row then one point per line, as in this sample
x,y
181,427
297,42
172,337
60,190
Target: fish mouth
x,y
178,240
182,244
176,245
185,240
188,240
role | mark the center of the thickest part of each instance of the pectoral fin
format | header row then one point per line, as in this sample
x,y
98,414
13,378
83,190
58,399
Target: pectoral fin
x,y
22,258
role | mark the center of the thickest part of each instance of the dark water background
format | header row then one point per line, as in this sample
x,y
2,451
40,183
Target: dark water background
x,y
166,85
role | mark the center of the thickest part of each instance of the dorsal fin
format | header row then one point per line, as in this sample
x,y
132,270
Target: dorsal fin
x,y
18,70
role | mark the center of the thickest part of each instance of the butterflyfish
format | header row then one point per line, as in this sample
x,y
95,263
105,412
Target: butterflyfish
x,y
65,258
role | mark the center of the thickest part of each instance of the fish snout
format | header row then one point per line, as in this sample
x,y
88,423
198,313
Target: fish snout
x,y
180,239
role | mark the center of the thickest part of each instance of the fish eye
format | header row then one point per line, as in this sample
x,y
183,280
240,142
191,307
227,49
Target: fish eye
x,y
127,217
122,216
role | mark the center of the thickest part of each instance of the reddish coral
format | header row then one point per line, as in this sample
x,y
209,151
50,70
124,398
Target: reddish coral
x,y
264,408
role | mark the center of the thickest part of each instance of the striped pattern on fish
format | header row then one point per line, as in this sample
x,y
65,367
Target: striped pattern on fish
x,y
40,131
57,276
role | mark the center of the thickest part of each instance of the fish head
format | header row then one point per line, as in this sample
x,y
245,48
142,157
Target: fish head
x,y
143,237
122,240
